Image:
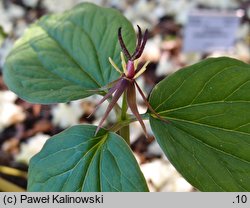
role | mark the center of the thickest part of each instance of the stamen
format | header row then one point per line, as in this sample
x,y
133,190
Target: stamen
x,y
136,63
115,66
143,69
124,64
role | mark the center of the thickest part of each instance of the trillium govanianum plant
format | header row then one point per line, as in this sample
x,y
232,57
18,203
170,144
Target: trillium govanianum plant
x,y
126,84
199,115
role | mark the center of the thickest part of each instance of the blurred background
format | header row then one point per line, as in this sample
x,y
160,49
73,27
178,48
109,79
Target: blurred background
x,y
173,26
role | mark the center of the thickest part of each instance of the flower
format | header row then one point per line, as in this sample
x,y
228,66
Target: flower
x,y
126,82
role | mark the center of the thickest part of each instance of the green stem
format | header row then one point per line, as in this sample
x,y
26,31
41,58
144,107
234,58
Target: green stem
x,y
124,107
130,119
124,131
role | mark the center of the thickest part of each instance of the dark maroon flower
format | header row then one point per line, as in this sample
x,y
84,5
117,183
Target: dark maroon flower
x,y
126,83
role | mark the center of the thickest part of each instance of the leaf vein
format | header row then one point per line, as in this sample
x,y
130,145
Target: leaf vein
x,y
69,55
100,68
214,148
238,88
208,81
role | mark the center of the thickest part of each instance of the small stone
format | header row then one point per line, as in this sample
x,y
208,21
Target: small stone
x,y
32,147
10,113
162,176
30,3
152,51
5,49
164,66
15,12
66,115
155,149
155,172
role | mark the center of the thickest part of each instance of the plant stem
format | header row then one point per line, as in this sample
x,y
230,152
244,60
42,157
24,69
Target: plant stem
x,y
124,107
124,131
130,119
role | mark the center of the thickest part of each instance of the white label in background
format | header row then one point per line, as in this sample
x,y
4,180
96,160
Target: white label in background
x,y
207,31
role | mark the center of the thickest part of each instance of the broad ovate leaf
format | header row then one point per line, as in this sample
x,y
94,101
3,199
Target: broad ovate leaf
x,y
63,57
208,136
76,160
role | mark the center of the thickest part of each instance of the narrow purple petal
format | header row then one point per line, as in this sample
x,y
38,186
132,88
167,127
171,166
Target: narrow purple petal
x,y
120,89
109,94
131,99
106,87
142,46
148,105
123,46
139,38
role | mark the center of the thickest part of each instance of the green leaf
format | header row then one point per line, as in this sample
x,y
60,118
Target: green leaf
x,y
61,57
208,137
75,160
